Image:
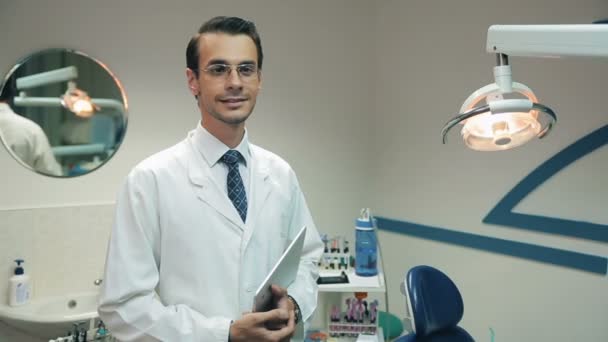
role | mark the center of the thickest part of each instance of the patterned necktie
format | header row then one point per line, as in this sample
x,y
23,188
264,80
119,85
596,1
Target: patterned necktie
x,y
236,189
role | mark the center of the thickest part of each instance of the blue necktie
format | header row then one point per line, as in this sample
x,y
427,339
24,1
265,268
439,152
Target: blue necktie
x,y
236,189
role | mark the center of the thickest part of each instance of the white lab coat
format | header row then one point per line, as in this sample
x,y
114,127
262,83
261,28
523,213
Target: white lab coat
x,y
27,141
177,235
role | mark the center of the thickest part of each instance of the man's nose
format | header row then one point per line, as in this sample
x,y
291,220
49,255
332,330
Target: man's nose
x,y
233,79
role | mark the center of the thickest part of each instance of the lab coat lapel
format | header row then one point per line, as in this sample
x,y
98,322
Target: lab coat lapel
x,y
208,191
261,187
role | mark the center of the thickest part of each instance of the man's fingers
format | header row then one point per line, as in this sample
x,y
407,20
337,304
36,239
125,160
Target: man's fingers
x,y
292,319
286,332
272,315
278,291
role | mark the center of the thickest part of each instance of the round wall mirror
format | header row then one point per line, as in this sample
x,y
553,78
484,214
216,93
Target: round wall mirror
x,y
62,113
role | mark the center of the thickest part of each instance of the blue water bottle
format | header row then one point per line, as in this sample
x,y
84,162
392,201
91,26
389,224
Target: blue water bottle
x,y
366,246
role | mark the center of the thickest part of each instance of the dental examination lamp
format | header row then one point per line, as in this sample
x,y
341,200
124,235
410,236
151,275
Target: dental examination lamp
x,y
507,114
74,99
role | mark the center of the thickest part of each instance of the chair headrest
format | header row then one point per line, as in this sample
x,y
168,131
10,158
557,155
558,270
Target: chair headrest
x,y
436,303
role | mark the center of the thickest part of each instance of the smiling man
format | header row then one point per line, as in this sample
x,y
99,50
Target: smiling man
x,y
198,226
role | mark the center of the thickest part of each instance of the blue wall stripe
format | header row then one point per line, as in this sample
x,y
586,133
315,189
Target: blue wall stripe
x,y
502,213
575,260
580,229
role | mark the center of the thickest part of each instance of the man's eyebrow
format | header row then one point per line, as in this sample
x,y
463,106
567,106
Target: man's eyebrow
x,y
217,61
223,61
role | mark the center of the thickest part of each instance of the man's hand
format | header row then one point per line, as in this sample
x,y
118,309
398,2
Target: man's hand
x,y
253,327
280,300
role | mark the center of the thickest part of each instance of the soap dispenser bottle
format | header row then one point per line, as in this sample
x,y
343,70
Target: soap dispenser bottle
x,y
19,286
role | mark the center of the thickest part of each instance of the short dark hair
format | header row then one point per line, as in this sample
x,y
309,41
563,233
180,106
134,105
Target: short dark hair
x,y
229,25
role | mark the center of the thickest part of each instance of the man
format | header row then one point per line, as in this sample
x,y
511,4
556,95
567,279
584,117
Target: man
x,y
201,224
26,140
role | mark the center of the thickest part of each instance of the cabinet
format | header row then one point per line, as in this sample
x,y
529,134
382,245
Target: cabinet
x,y
335,294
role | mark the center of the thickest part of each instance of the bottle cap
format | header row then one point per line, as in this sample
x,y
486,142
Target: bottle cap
x,y
364,222
19,269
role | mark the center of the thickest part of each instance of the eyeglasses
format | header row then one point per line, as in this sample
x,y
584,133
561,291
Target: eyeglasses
x,y
247,72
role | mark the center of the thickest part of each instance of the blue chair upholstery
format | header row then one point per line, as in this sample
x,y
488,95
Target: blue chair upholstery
x,y
436,307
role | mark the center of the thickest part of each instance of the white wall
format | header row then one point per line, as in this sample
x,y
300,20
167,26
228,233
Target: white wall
x,y
312,110
430,57
311,100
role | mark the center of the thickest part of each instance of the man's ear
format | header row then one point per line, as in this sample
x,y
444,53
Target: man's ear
x,y
260,79
192,82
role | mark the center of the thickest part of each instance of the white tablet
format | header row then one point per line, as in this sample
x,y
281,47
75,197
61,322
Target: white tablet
x,y
283,273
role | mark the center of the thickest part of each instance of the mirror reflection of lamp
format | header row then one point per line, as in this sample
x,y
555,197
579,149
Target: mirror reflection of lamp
x,y
74,99
78,101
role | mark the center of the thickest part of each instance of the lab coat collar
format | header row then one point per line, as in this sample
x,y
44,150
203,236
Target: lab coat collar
x,y
210,192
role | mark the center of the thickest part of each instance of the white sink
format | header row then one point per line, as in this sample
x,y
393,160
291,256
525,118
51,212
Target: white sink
x,y
51,317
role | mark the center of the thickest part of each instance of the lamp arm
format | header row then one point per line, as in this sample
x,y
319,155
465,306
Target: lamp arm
x,y
578,40
26,101
47,77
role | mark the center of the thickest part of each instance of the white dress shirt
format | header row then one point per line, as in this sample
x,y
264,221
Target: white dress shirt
x,y
213,150
181,264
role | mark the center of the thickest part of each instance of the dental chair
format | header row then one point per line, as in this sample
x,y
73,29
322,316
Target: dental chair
x,y
435,306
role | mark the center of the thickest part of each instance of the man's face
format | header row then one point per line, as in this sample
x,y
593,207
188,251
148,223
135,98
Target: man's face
x,y
229,97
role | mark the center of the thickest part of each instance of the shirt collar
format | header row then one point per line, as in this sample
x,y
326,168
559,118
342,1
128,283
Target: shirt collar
x,y
213,149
